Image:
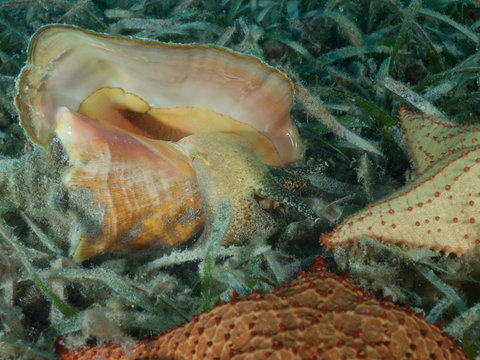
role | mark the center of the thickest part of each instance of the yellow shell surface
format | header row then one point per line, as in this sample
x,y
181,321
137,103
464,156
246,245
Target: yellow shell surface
x,y
148,189
129,112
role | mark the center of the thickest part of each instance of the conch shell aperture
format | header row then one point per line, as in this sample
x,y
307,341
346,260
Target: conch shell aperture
x,y
160,133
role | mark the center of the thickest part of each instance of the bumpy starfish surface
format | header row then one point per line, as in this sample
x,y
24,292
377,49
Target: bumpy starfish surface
x,y
431,140
317,315
439,210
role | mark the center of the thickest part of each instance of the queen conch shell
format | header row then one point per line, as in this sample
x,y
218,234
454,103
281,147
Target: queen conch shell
x,y
160,133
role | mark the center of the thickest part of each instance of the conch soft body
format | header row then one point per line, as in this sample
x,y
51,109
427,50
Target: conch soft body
x,y
160,134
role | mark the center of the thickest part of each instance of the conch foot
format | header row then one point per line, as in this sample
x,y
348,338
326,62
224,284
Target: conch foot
x,y
271,189
293,182
226,167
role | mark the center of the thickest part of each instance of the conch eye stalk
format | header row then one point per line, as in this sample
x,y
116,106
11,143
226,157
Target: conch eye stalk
x,y
160,133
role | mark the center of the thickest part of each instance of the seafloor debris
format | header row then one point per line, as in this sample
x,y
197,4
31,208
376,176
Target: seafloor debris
x,y
318,314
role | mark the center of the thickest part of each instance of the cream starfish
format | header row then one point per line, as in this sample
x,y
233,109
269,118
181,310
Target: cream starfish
x,y
440,209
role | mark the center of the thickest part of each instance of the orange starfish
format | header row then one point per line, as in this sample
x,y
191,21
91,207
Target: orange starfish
x,y
317,315
439,210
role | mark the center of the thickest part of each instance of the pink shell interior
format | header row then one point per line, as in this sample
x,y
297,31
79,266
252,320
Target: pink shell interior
x,y
66,64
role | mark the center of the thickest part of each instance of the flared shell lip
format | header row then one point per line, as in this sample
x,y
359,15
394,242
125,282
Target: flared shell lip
x,y
22,111
33,43
32,61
